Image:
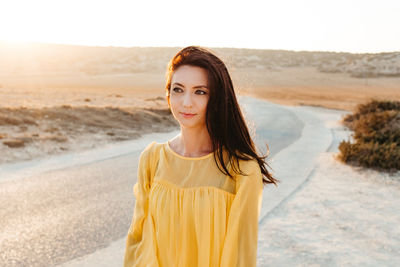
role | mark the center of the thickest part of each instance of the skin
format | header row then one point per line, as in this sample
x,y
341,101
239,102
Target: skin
x,y
189,94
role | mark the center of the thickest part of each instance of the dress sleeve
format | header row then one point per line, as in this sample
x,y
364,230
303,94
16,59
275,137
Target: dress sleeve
x,y
240,244
140,246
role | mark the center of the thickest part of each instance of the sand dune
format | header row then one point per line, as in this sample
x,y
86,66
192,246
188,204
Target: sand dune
x,y
333,80
39,58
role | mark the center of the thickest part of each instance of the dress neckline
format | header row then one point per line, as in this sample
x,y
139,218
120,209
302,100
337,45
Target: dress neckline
x,y
187,158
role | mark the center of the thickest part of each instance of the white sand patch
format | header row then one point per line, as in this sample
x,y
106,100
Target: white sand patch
x,y
340,216
294,164
343,217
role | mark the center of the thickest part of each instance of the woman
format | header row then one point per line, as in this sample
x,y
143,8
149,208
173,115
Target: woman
x,y
198,195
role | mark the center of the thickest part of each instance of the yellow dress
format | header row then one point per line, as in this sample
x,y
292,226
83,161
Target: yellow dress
x,y
188,213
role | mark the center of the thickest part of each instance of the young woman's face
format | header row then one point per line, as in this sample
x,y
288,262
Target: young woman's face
x,y
189,96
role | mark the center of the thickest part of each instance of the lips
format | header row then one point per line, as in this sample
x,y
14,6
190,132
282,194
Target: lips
x,y
187,115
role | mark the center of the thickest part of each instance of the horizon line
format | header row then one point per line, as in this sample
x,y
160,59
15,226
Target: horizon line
x,y
17,42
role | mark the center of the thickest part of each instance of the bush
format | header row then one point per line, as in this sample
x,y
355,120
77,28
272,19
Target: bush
x,y
376,127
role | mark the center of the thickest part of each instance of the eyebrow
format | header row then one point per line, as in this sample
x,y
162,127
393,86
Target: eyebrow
x,y
199,86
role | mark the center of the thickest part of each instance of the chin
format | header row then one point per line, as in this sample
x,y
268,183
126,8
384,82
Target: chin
x,y
186,124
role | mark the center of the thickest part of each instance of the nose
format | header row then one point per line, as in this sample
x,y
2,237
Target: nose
x,y
187,100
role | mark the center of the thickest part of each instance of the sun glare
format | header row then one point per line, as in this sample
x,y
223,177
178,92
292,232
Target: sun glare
x,y
353,26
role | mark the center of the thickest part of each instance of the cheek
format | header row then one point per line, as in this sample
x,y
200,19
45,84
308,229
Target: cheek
x,y
173,100
173,105
204,103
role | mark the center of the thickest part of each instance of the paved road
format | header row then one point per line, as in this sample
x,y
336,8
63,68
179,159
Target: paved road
x,y
72,208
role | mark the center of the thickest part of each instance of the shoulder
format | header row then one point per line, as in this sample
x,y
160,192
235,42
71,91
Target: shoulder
x,y
252,174
249,166
150,152
150,149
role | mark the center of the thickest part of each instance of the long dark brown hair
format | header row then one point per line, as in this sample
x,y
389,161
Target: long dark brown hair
x,y
225,123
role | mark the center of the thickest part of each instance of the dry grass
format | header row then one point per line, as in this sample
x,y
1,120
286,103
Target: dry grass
x,y
376,127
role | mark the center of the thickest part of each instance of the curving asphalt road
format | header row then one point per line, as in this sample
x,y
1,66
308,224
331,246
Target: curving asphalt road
x,y
55,210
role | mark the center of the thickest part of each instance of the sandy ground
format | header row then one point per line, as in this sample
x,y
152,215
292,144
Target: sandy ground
x,y
288,86
306,86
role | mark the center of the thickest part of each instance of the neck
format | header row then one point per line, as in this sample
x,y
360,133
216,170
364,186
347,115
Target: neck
x,y
194,142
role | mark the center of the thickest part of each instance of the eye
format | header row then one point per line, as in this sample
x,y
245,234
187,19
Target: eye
x,y
201,92
177,89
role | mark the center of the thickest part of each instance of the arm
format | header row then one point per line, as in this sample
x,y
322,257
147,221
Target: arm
x,y
140,249
240,245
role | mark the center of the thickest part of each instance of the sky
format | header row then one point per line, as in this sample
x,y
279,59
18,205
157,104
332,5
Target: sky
x,y
357,26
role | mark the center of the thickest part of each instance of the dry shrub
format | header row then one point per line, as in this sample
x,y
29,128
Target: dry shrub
x,y
14,143
55,138
16,116
376,127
